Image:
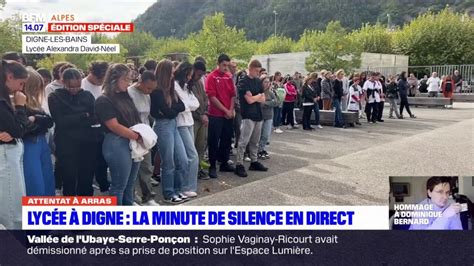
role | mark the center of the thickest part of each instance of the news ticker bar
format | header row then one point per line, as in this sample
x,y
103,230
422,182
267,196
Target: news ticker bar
x,y
67,217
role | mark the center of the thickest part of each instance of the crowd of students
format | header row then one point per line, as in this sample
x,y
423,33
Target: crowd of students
x,y
105,124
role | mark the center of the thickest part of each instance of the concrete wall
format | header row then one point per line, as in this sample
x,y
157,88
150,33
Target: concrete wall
x,y
289,63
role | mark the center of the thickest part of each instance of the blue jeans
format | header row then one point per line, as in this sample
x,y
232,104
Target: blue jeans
x,y
12,184
38,167
173,157
266,134
276,116
123,170
339,120
316,112
190,178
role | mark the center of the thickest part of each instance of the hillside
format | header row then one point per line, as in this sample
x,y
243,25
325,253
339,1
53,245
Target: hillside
x,y
181,17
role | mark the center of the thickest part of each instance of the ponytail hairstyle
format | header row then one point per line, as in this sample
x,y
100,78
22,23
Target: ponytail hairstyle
x,y
121,100
17,70
34,90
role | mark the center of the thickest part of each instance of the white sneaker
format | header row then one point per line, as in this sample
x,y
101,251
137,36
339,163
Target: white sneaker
x,y
278,131
230,162
135,204
247,159
174,200
319,126
150,203
190,194
182,196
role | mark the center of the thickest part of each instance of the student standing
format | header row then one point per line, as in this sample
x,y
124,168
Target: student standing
x,y
221,93
251,97
165,107
13,121
327,91
291,94
392,96
201,120
75,136
309,100
93,83
371,92
403,92
271,101
140,94
117,113
337,98
434,84
355,95
38,166
279,91
185,122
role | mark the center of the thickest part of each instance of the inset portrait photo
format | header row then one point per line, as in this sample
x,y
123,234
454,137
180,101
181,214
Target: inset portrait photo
x,y
431,203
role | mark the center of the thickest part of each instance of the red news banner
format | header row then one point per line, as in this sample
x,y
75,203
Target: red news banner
x,y
89,27
70,201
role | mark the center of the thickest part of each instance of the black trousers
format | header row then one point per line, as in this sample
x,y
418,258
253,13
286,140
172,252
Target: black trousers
x,y
307,111
371,111
287,113
219,139
404,104
380,110
76,165
101,169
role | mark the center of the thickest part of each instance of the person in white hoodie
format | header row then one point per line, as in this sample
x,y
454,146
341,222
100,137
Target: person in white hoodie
x,y
185,122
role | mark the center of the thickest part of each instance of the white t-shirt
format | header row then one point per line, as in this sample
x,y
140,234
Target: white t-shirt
x,y
434,84
373,85
94,89
142,103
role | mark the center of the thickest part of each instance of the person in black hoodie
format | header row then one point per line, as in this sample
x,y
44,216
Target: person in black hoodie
x,y
37,163
403,91
76,134
13,124
336,100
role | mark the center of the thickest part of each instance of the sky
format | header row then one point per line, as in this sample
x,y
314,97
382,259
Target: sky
x,y
83,10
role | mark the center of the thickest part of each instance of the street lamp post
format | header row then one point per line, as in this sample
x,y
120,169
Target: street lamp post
x,y
389,21
274,12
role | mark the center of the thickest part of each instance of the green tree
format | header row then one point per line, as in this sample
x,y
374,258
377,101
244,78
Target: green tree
x,y
10,30
136,43
373,39
164,46
437,38
332,49
216,38
276,45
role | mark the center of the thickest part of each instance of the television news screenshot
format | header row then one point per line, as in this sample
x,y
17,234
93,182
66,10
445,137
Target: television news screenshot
x,y
223,132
